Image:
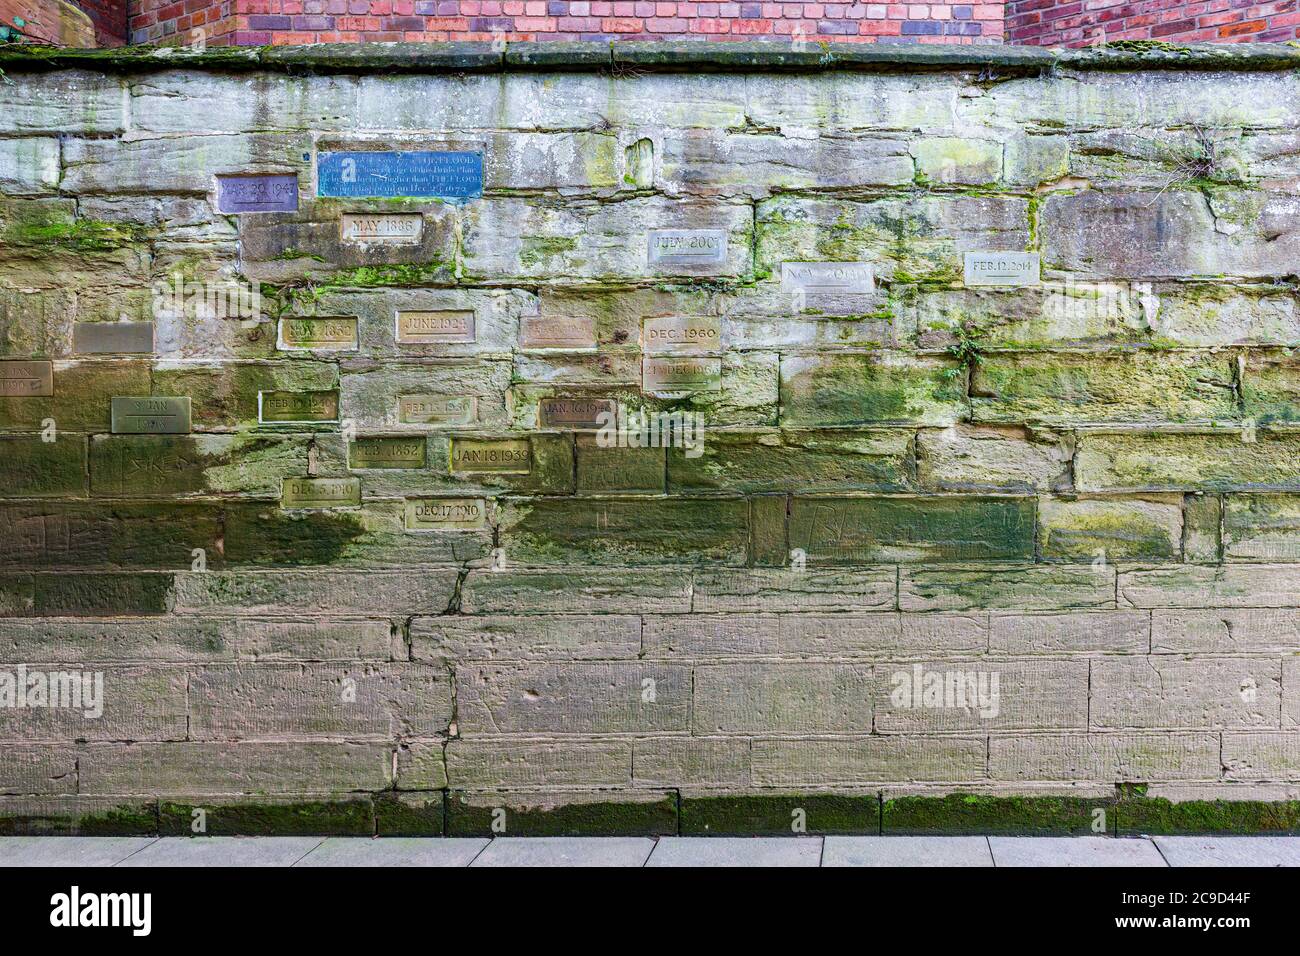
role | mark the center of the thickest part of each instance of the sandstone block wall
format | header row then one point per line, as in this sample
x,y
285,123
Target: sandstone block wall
x,y
416,603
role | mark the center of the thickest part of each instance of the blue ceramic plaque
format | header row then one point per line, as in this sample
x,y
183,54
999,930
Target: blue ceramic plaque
x,y
436,175
257,193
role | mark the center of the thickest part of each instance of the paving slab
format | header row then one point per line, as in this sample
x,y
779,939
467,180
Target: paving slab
x,y
907,851
737,851
1074,851
394,851
69,851
1230,851
566,851
224,851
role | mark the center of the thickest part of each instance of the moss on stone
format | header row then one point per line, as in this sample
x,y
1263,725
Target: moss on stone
x,y
780,814
59,595
262,534
403,275
344,816
1139,814
410,814
522,816
126,819
971,813
538,250
45,227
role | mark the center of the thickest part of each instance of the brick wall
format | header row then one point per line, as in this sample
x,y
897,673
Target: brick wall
x,y
373,574
250,22
1071,23
110,19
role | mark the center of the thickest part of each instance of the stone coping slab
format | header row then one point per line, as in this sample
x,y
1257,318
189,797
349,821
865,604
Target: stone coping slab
x,y
631,59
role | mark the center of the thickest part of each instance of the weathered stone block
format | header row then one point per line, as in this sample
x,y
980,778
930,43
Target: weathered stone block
x,y
879,635
66,102
577,698
1074,632
877,530
974,696
1109,529
628,532
1206,692
560,590
1202,528
1172,233
82,394
1224,461
318,700
1261,528
849,389
1065,388
483,764
1109,757
785,698
511,238
618,470
29,166
794,460
38,768
71,702
691,761
175,638
1225,586
1225,630
915,241
230,768
347,593
1021,588
35,468
758,589
558,637
851,761
991,459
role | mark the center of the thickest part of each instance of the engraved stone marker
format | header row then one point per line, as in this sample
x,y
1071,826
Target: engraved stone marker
x,y
688,247
553,332
677,334
100,338
1002,268
438,175
669,375
822,278
436,410
395,227
26,379
297,408
575,414
435,328
317,334
446,514
151,415
502,456
274,193
387,453
320,492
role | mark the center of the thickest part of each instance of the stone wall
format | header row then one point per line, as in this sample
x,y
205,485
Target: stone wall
x,y
353,557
